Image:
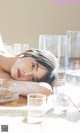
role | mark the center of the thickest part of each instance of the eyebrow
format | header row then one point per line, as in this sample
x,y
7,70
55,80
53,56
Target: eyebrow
x,y
35,77
36,66
37,80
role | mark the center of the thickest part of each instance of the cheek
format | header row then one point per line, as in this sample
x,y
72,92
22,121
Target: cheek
x,y
41,73
21,64
17,65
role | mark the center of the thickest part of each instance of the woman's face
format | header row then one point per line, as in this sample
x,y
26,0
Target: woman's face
x,y
28,69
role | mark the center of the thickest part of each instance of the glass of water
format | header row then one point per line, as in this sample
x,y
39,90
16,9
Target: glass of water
x,y
57,44
73,65
60,100
72,77
62,58
49,42
16,48
36,107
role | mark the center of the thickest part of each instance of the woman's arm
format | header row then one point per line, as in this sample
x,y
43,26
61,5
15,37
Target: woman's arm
x,y
33,87
24,87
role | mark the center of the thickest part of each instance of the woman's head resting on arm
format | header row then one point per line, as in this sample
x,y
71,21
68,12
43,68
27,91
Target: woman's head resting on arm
x,y
35,65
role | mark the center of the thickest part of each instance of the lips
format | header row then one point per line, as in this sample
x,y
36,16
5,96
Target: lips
x,y
18,73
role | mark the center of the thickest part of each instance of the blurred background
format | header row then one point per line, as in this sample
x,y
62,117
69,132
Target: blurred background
x,y
22,21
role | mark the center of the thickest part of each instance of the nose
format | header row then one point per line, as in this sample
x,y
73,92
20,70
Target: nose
x,y
27,73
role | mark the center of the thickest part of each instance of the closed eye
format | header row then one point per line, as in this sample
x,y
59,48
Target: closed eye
x,y
35,66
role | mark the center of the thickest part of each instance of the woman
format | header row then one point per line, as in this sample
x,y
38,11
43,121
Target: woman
x,y
33,71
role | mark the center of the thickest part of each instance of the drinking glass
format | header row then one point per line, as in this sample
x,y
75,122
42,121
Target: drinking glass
x,y
73,65
6,92
62,49
49,42
24,47
57,44
72,77
36,107
16,48
60,100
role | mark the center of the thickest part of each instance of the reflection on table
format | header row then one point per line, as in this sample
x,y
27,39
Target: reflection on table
x,y
15,114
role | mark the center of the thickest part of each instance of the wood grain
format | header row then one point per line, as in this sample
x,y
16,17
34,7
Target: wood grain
x,y
22,101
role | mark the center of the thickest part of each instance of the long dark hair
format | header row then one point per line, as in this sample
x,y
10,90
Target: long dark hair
x,y
47,59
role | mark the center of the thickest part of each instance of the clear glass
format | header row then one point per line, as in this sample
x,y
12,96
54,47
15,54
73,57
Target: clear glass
x,y
6,92
60,100
73,65
62,58
57,44
16,48
36,107
49,42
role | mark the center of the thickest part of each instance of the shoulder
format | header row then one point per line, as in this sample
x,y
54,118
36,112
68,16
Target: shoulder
x,y
4,74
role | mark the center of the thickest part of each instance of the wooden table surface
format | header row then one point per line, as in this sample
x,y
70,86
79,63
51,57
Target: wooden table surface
x,y
22,101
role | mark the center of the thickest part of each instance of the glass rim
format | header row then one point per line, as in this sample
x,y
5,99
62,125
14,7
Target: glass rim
x,y
36,95
48,35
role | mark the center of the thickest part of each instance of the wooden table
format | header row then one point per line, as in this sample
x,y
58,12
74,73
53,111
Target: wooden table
x,y
16,115
22,101
14,108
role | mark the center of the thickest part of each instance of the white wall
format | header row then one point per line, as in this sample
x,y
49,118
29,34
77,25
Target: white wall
x,y
24,20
